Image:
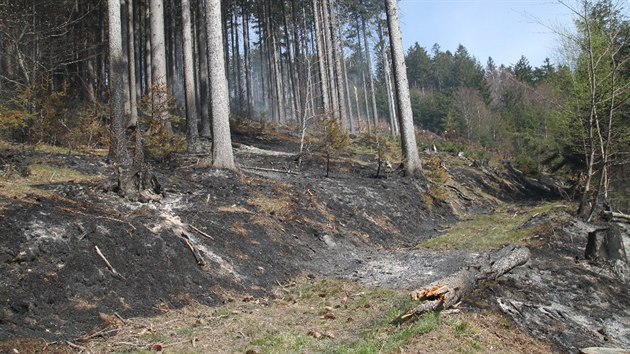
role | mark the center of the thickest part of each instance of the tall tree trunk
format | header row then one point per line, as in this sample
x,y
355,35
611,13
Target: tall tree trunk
x,y
147,50
365,99
291,64
363,80
126,78
118,145
330,60
247,60
158,65
222,155
192,130
338,57
405,115
391,103
240,102
348,97
134,180
202,39
133,102
368,59
321,58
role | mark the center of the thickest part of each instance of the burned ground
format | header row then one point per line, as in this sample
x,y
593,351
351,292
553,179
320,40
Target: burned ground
x,y
218,235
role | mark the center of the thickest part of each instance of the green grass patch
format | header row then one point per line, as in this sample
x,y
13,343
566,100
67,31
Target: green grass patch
x,y
51,149
327,316
14,186
486,232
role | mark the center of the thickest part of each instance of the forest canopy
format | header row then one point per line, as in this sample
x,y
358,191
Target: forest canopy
x,y
298,62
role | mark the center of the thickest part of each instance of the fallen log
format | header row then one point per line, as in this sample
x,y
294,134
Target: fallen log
x,y
448,292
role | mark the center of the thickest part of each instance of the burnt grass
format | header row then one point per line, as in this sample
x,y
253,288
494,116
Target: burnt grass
x,y
216,235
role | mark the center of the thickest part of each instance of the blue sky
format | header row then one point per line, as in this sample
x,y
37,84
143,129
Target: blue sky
x,y
504,30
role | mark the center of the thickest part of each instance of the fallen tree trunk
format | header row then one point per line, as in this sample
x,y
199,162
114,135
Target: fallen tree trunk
x,y
449,291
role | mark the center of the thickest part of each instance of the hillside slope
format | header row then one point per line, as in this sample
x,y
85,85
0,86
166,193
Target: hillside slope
x,y
71,250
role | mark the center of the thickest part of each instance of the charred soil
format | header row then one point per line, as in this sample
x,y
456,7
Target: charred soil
x,y
75,256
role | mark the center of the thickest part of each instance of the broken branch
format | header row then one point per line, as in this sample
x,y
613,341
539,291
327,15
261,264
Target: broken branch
x,y
201,232
194,252
268,170
109,265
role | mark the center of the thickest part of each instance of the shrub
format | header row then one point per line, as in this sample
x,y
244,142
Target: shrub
x,y
335,140
160,143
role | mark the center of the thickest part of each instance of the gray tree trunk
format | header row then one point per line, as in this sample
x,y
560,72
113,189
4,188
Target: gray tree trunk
x,y
368,59
339,72
248,64
133,102
134,180
147,49
330,60
222,155
192,130
321,59
118,145
411,158
206,130
158,64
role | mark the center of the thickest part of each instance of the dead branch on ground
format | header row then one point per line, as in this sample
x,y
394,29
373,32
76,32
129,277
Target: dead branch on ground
x,y
109,265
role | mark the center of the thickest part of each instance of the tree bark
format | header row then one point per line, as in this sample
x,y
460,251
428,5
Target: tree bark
x,y
368,59
192,130
134,180
118,144
321,59
411,158
133,102
158,65
206,130
222,155
247,60
447,292
337,53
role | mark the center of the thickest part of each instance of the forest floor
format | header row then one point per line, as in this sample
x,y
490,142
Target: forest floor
x,y
279,258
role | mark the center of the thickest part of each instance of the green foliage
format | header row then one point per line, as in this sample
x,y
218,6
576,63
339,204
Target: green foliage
x,y
12,119
36,115
334,139
160,143
89,128
383,146
159,140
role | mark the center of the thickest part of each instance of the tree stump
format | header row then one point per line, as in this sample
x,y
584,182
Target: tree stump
x,y
606,244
